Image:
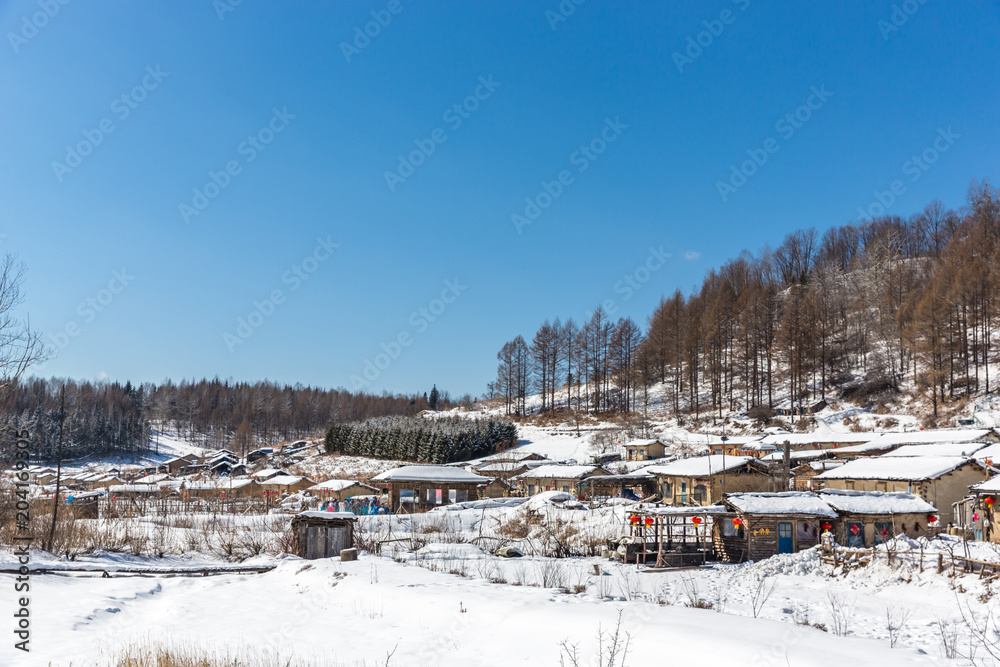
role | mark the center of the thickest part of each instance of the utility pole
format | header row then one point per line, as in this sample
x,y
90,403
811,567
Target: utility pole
x,y
786,466
55,501
724,440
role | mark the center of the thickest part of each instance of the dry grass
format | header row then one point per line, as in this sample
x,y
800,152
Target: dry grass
x,y
155,654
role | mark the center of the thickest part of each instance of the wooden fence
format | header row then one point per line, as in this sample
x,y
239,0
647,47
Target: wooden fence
x,y
940,562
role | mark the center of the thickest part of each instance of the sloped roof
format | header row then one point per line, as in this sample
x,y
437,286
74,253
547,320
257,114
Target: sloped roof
x,y
798,456
282,480
991,485
875,502
702,466
910,468
431,473
816,437
786,502
932,436
339,485
965,449
558,472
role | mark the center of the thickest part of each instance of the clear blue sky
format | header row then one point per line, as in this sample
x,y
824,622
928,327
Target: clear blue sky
x,y
190,277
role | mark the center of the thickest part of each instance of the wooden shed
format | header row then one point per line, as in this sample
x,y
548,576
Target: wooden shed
x,y
341,489
322,534
645,450
869,518
418,488
286,484
569,479
760,525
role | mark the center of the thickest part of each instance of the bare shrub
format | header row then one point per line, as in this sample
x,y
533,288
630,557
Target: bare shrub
x,y
841,612
896,618
551,574
692,595
760,590
612,649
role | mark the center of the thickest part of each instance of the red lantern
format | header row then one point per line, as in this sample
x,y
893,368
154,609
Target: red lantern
x,y
696,520
931,518
223,496
826,525
989,500
634,519
648,521
737,522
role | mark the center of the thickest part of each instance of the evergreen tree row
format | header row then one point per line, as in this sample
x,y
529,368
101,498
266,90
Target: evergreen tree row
x,y
422,440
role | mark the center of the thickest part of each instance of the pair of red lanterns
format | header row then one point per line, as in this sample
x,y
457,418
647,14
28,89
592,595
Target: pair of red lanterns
x,y
634,519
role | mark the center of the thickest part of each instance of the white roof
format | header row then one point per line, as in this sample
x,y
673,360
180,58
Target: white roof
x,y
787,502
911,468
800,455
816,438
991,485
133,488
339,485
281,480
940,435
965,449
517,454
716,440
699,466
991,452
875,502
558,472
644,443
430,473
316,514
268,472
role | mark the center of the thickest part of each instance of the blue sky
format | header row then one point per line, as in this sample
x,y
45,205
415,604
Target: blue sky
x,y
309,127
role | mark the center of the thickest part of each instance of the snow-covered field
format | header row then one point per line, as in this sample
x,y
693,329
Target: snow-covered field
x,y
438,596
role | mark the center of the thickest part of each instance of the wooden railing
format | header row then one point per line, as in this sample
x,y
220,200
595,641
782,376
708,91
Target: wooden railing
x,y
941,562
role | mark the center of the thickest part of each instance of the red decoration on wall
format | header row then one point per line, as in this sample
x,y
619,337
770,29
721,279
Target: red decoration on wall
x,y
696,520
931,518
855,529
826,525
737,521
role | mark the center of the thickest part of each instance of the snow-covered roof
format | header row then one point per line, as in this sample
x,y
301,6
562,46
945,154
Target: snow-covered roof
x,y
338,485
940,435
826,464
558,472
268,472
816,438
133,488
991,452
799,456
991,485
430,473
786,502
701,466
965,449
644,443
911,468
316,514
732,440
875,502
281,480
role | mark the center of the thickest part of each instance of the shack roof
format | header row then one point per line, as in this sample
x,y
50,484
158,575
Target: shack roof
x,y
431,473
799,456
911,468
940,435
816,438
875,502
782,503
965,449
991,485
559,472
703,466
282,480
339,485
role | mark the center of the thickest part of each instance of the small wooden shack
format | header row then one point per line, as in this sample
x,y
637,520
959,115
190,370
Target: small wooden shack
x,y
75,505
760,525
341,489
869,518
322,534
569,479
645,450
418,488
286,484
702,480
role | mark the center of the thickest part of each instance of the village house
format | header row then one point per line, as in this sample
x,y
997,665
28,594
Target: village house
x,y
286,484
569,479
268,473
507,469
341,489
885,443
869,518
939,480
978,511
497,488
815,440
418,488
645,450
703,479
636,485
177,466
765,524
804,473
963,449
738,445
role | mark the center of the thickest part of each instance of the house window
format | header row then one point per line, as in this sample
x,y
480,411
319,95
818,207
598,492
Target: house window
x,y
883,532
458,495
666,490
805,530
700,493
434,496
565,488
855,534
407,495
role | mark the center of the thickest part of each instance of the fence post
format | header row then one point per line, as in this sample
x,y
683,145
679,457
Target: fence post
x,y
940,565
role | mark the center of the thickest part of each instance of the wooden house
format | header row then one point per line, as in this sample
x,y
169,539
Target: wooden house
x,y
635,485
568,479
804,473
72,504
703,480
738,445
939,480
322,534
869,518
418,488
340,490
645,450
760,525
498,488
982,516
177,466
286,484
798,442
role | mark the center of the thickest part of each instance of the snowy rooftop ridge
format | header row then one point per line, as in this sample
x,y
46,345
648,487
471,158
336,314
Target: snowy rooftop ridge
x,y
430,473
338,485
701,466
558,472
786,502
965,449
910,468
